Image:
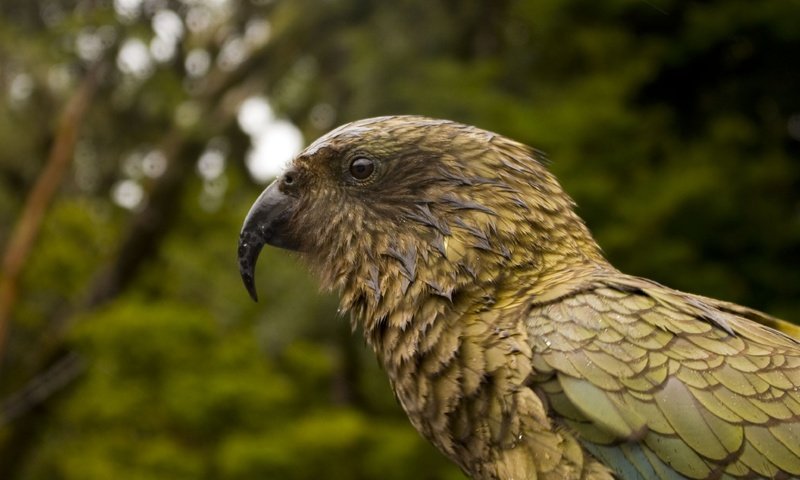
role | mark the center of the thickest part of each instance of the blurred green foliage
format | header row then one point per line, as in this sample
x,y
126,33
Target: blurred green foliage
x,y
675,125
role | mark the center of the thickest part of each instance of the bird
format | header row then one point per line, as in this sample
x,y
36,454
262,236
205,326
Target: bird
x,y
509,340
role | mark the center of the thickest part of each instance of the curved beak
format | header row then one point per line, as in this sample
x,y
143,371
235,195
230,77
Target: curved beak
x,y
266,223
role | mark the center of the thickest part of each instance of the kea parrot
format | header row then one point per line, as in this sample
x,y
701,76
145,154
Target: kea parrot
x,y
509,340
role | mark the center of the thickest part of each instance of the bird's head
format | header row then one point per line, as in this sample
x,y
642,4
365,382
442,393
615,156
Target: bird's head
x,y
404,207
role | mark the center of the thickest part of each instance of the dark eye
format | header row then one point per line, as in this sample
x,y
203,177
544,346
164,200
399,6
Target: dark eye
x,y
362,168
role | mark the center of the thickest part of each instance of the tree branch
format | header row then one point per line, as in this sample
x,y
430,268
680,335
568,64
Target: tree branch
x,y
26,230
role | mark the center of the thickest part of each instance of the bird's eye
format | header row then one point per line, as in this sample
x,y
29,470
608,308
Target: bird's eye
x,y
361,168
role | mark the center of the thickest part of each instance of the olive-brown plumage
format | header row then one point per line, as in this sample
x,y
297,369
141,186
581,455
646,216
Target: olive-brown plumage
x,y
509,340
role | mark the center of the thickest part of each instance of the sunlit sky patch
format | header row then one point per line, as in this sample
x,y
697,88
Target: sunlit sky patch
x,y
197,62
274,141
168,25
134,58
127,8
127,194
168,29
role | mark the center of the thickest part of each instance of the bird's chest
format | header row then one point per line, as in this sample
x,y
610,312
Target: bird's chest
x,y
458,383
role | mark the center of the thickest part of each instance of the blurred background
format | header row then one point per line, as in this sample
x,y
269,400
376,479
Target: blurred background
x,y
135,134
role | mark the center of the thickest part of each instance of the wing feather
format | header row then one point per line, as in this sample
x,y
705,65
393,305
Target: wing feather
x,y
661,384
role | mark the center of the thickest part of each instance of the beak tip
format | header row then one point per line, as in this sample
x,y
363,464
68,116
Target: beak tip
x,y
250,285
248,254
254,296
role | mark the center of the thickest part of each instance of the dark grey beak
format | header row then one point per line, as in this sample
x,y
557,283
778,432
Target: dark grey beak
x,y
266,223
